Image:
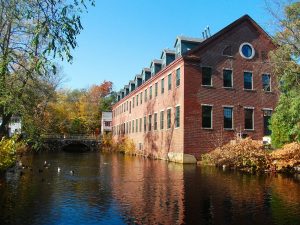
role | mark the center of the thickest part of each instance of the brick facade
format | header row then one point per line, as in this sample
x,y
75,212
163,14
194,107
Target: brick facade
x,y
191,95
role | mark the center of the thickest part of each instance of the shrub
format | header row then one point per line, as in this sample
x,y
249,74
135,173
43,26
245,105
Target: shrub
x,y
7,153
243,154
287,156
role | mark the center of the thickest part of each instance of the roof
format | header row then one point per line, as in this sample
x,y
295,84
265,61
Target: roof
x,y
131,81
227,29
167,51
188,39
146,70
126,86
138,76
156,61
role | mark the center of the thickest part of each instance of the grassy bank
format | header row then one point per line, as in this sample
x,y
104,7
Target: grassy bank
x,y
9,149
251,156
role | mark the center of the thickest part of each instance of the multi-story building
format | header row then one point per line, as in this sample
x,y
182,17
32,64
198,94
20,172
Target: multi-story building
x,y
201,95
106,122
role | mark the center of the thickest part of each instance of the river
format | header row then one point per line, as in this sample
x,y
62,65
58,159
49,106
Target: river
x,y
118,189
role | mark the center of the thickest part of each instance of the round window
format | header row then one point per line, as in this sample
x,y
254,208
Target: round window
x,y
247,51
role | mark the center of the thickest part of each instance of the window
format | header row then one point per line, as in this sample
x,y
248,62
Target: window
x,y
177,77
267,117
169,118
206,76
155,121
227,78
141,97
248,81
150,123
206,116
141,124
129,126
162,120
146,95
145,124
247,51
133,102
130,107
177,116
150,93
228,115
249,119
156,87
162,85
169,81
266,82
137,100
136,125
132,126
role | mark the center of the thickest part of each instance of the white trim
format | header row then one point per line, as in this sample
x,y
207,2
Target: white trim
x,y
249,107
267,109
207,105
227,106
241,53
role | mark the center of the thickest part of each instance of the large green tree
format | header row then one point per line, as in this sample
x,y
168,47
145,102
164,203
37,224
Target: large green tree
x,y
32,33
285,122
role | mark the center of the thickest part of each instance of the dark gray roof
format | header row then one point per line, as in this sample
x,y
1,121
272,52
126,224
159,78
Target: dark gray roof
x,y
138,76
188,39
146,69
126,86
156,61
131,81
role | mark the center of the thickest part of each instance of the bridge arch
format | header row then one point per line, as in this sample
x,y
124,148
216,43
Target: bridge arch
x,y
75,146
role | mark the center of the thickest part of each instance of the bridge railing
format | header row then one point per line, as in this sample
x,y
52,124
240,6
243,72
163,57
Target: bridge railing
x,y
72,136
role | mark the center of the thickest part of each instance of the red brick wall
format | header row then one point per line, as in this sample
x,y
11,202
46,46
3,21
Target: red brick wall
x,y
198,140
158,142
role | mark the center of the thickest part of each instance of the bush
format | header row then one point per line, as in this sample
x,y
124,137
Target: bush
x,y
287,156
7,153
244,154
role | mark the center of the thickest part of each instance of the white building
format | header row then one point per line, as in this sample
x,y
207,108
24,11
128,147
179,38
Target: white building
x,y
14,125
106,122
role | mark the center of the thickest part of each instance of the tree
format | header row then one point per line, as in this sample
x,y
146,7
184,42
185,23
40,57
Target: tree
x,y
285,122
32,32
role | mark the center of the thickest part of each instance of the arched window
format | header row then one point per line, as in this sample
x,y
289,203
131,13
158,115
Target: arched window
x,y
227,51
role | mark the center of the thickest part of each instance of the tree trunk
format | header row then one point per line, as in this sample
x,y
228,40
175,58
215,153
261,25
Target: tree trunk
x,y
4,125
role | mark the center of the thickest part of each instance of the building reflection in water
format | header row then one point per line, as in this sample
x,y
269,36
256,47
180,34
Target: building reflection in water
x,y
156,192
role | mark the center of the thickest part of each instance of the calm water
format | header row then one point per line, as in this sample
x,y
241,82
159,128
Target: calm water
x,y
115,189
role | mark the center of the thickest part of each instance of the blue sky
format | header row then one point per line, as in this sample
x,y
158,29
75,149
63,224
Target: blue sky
x,y
122,37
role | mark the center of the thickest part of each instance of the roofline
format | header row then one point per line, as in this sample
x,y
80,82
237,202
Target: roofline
x,y
226,29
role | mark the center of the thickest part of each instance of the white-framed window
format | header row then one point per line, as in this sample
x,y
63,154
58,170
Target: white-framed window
x,y
248,80
227,78
206,76
249,118
266,82
246,50
207,116
228,117
177,116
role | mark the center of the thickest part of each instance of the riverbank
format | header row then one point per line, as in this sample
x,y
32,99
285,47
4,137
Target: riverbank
x,y
251,156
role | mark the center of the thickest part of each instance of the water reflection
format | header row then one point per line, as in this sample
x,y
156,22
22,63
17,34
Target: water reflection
x,y
117,189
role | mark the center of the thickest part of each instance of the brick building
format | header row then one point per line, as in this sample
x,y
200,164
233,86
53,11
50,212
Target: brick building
x,y
201,95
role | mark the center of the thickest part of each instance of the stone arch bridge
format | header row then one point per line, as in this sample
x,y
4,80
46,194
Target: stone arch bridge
x,y
72,143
